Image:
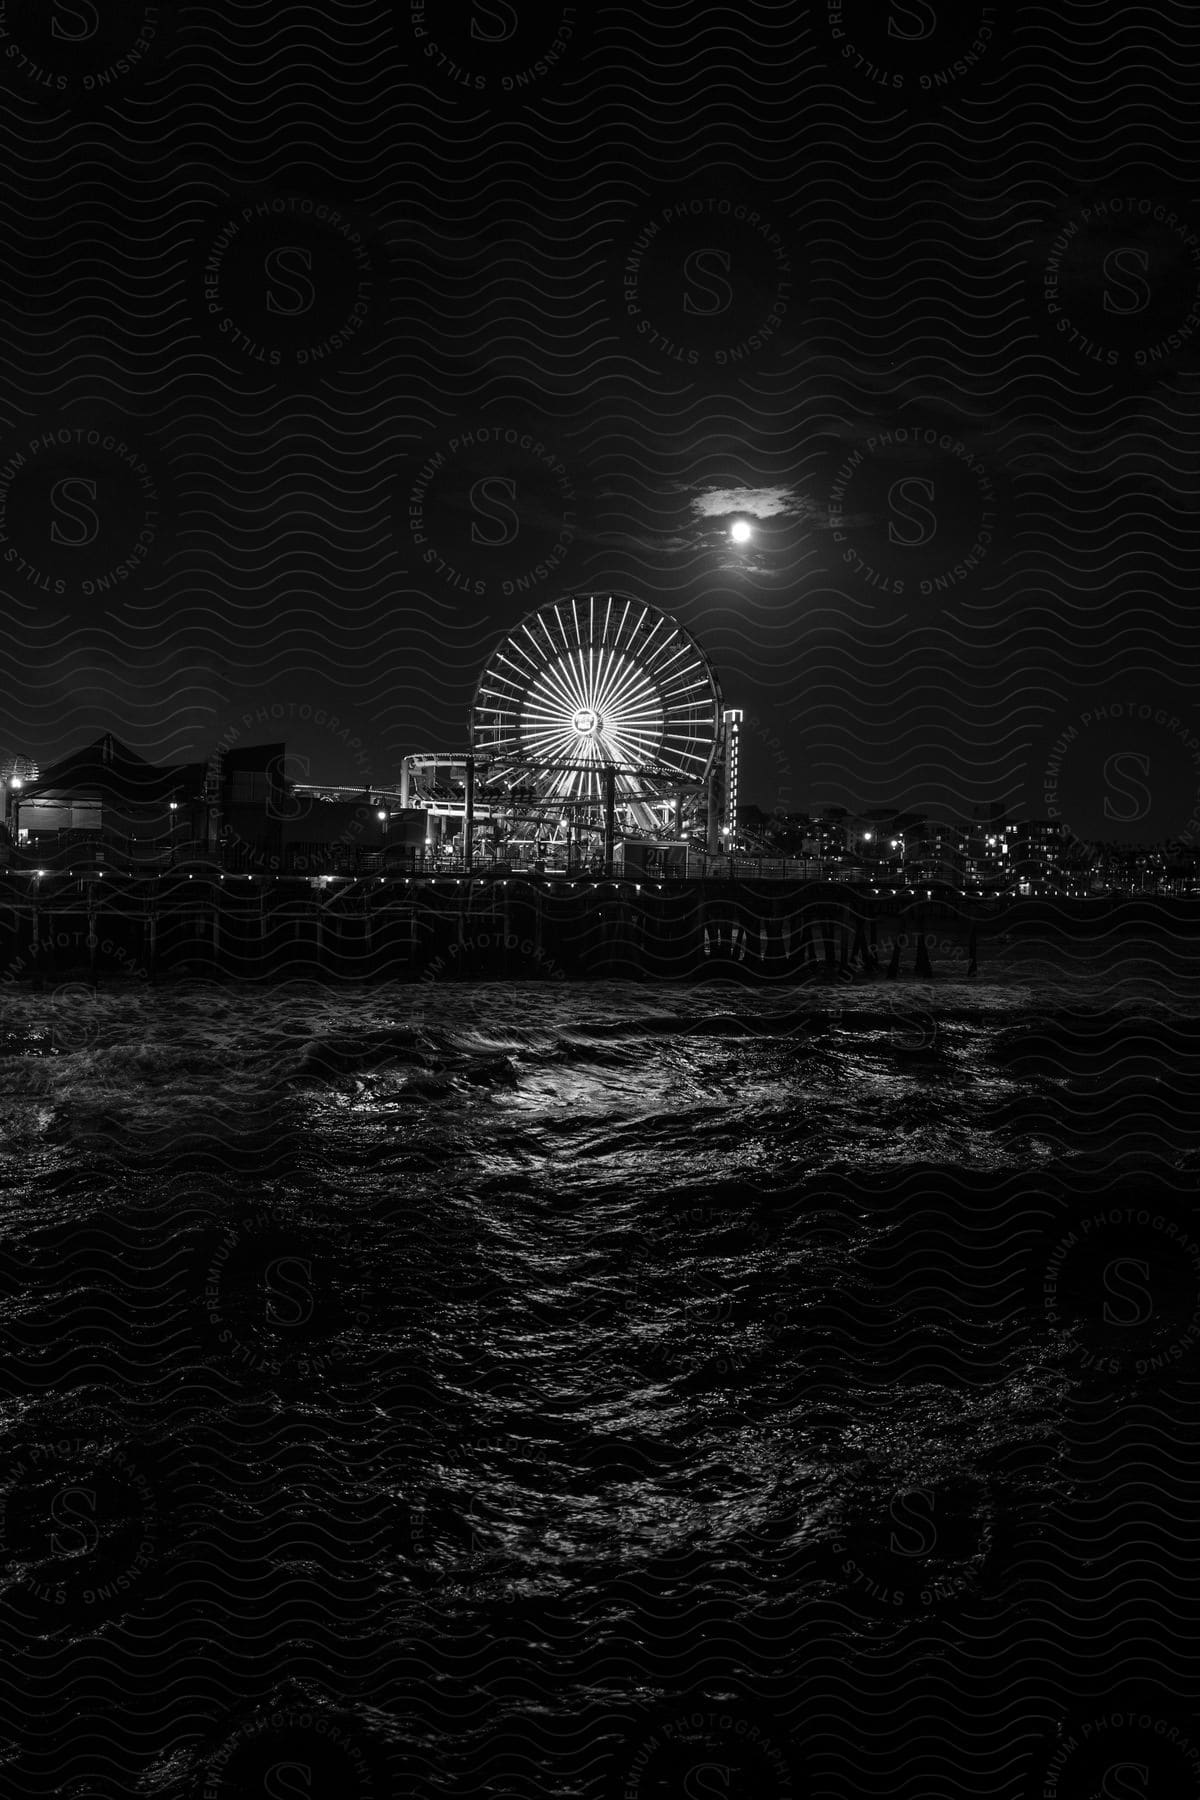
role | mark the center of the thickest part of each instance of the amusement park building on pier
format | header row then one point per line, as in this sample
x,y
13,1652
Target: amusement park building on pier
x,y
597,721
597,740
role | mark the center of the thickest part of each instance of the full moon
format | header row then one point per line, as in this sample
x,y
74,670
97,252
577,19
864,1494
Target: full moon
x,y
740,531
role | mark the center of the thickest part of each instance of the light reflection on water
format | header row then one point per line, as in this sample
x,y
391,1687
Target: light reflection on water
x,y
605,1313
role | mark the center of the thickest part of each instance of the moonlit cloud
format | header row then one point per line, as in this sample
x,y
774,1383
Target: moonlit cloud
x,y
757,503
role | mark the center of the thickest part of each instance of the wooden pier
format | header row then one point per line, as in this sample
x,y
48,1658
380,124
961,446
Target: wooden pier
x,y
151,927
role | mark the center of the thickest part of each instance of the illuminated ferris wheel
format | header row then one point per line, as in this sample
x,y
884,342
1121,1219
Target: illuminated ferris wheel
x,y
596,688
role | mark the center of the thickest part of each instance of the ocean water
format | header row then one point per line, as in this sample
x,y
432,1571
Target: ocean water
x,y
578,1389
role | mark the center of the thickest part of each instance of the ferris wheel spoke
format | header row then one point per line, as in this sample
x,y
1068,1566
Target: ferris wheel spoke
x,y
574,673
679,686
550,739
608,677
686,668
622,685
522,656
636,706
643,725
557,707
664,659
558,686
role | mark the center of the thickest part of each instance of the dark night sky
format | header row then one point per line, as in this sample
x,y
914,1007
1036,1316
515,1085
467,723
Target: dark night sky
x,y
921,309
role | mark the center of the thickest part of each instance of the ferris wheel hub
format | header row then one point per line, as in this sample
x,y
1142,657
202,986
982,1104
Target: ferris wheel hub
x,y
587,723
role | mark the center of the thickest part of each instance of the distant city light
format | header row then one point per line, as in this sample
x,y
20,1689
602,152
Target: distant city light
x,y
741,531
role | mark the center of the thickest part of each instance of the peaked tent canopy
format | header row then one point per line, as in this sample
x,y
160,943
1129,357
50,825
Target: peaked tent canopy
x,y
111,771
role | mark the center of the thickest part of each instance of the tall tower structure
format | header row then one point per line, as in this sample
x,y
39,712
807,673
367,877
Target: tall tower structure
x,y
731,720
724,781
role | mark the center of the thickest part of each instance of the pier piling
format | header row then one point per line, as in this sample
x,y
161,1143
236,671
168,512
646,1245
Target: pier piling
x,y
513,925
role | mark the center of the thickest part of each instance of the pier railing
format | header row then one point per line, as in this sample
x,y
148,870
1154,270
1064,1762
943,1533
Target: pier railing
x,y
77,854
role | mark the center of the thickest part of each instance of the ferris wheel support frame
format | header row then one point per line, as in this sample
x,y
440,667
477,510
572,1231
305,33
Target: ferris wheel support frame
x,y
609,776
610,815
